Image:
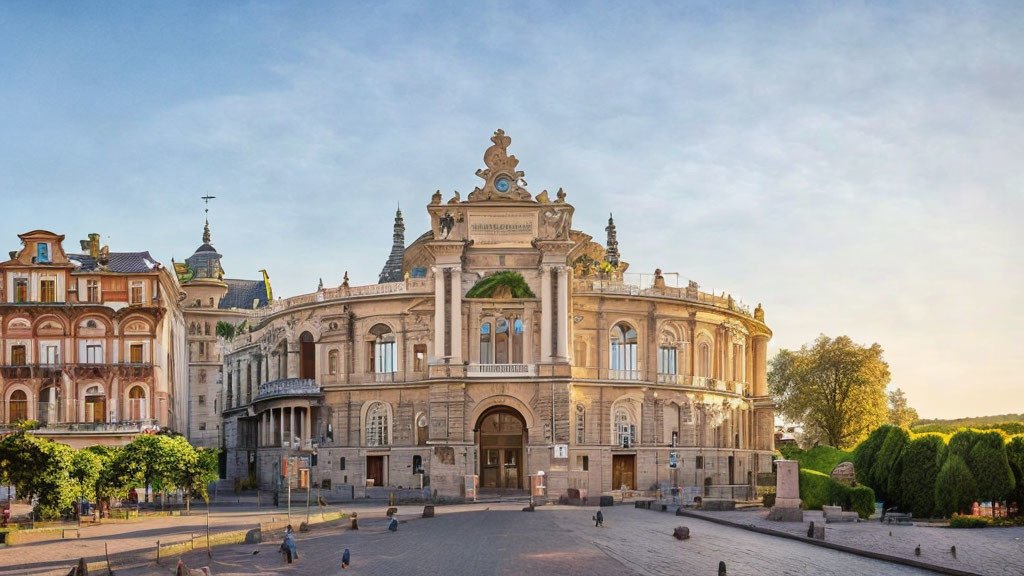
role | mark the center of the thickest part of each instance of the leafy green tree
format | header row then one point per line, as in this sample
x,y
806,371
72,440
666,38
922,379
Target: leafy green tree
x,y
887,465
954,487
1015,455
865,453
835,388
922,459
202,470
85,471
991,468
141,462
226,330
41,468
962,442
900,412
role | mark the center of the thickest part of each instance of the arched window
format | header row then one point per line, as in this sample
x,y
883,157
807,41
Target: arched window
x,y
505,344
501,341
485,343
623,361
137,403
417,464
207,328
18,406
382,350
704,360
377,425
95,405
625,428
307,356
332,362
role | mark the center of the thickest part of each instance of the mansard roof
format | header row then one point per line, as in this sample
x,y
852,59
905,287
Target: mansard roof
x,y
118,262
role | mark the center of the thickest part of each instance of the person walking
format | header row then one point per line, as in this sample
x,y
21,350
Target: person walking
x,y
599,519
288,546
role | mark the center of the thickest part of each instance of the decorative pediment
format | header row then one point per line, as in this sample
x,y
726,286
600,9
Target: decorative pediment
x,y
502,181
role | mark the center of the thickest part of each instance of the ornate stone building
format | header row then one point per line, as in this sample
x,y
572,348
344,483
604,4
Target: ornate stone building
x,y
211,298
511,344
91,344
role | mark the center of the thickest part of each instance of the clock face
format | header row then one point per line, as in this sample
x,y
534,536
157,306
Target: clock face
x,y
502,184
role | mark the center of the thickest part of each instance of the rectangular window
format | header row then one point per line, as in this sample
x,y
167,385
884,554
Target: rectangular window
x,y
42,252
94,354
135,354
17,355
341,461
21,289
92,291
202,400
135,294
419,361
580,426
202,425
583,463
699,462
667,360
50,354
385,356
48,290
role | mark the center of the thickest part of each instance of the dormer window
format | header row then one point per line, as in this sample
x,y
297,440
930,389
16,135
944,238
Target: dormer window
x,y
92,291
135,292
42,253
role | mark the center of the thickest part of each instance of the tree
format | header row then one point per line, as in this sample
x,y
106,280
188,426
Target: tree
x,y
991,468
1015,455
900,412
888,465
41,468
835,388
85,471
954,487
865,453
922,459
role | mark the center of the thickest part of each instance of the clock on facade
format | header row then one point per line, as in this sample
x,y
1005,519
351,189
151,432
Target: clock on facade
x,y
502,184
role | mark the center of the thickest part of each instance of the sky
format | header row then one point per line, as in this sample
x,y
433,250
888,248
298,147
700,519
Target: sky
x,y
855,167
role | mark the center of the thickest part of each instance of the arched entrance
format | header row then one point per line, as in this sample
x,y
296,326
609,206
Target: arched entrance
x,y
501,436
307,356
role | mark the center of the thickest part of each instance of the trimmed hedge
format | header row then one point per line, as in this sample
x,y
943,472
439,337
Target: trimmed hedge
x,y
514,280
820,458
958,521
818,489
922,459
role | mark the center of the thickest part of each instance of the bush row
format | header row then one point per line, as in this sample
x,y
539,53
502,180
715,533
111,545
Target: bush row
x,y
818,489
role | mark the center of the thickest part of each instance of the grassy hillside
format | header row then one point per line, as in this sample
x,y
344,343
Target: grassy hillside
x,y
820,458
1009,423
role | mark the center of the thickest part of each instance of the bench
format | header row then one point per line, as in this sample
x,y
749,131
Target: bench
x,y
899,518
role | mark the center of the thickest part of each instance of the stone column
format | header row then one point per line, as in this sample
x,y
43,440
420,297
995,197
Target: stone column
x,y
456,318
280,425
291,425
563,314
438,312
760,366
545,314
306,420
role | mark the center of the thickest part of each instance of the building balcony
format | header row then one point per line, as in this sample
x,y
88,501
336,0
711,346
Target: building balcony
x,y
287,387
131,370
624,375
676,379
123,427
500,370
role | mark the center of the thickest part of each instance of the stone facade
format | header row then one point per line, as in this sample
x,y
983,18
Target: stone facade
x,y
511,345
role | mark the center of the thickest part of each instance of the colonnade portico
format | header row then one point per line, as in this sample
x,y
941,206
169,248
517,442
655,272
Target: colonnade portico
x,y
273,431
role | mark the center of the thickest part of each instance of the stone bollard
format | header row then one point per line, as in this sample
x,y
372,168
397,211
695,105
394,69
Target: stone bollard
x,y
354,522
721,569
819,532
428,511
810,530
681,533
391,511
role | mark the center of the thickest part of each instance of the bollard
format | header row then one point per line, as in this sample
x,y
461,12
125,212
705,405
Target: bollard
x,y
810,530
721,568
157,551
354,523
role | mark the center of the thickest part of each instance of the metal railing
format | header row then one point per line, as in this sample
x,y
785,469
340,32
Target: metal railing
x,y
287,387
690,294
93,427
500,370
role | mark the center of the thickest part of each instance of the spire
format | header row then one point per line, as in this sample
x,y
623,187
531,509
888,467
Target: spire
x,y
611,254
392,271
206,232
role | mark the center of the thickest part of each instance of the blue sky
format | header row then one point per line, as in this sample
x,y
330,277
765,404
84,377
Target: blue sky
x,y
854,166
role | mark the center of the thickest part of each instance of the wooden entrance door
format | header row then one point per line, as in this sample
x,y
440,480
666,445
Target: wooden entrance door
x,y
502,437
375,469
623,466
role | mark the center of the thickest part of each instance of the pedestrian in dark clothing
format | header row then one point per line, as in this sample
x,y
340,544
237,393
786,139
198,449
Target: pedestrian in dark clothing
x,y
599,519
288,546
